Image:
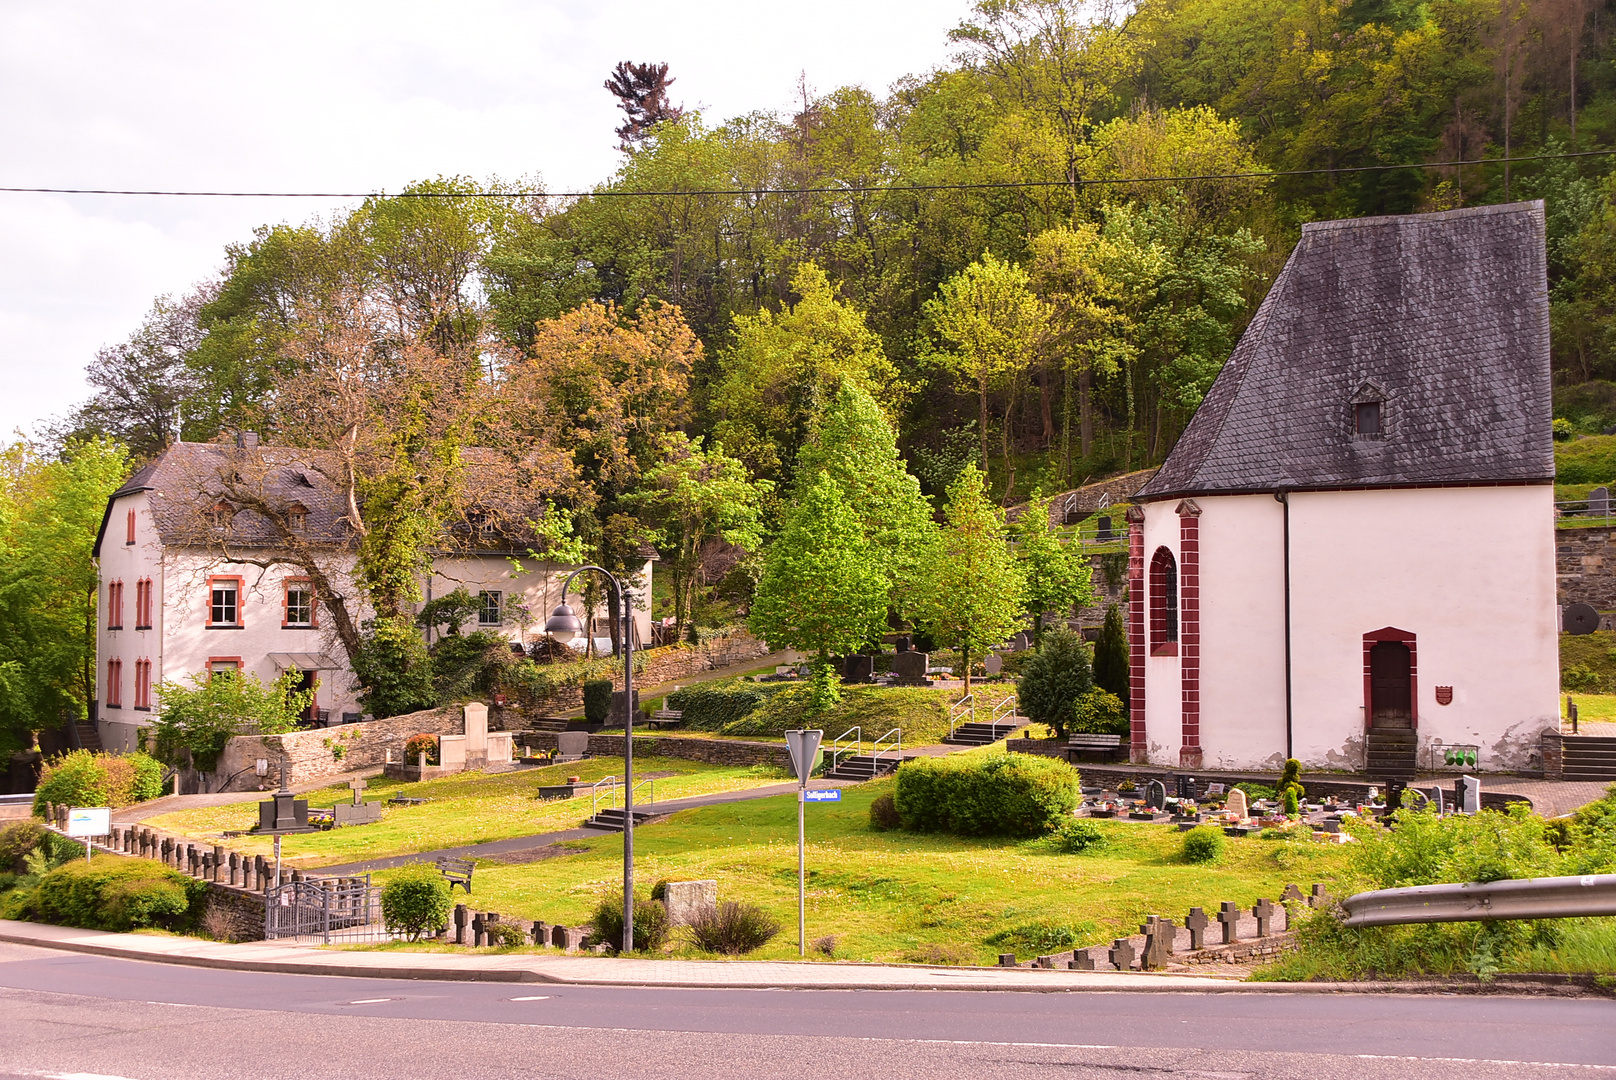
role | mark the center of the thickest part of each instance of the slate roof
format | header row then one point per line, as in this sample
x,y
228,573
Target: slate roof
x,y
1444,317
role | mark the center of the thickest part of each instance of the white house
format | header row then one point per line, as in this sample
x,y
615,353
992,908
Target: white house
x,y
1349,555
192,584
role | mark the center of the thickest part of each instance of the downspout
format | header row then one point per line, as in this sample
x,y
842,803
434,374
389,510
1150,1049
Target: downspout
x,y
1283,497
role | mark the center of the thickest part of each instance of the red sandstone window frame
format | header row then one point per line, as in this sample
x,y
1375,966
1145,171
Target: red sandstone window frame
x,y
143,685
241,588
130,534
237,666
114,688
115,605
143,604
1164,603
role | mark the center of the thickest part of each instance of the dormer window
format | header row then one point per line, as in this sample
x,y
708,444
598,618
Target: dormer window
x,y
222,515
1369,412
297,518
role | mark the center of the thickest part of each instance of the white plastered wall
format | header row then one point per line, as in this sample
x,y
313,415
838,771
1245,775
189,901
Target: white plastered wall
x,y
1468,571
535,585
121,561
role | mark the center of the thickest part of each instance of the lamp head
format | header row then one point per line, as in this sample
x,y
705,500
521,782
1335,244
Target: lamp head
x,y
563,623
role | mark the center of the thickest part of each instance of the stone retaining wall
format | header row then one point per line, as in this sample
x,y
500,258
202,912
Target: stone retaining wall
x,y
710,751
311,755
1586,567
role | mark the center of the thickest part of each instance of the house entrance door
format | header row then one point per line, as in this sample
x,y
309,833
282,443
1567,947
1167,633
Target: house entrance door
x,y
1391,705
305,683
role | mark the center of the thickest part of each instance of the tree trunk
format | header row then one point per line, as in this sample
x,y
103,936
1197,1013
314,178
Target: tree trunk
x,y
965,653
982,420
1044,408
1085,410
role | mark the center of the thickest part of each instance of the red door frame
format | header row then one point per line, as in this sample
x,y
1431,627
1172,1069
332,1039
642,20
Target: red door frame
x,y
1391,633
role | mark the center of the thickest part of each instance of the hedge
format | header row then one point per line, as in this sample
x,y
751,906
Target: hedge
x,y
83,778
710,708
116,893
992,794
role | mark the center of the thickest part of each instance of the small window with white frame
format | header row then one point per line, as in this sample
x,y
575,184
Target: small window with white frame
x,y
299,604
490,607
224,602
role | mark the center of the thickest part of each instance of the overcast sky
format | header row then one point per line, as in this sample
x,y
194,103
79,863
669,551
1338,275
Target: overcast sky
x,y
343,96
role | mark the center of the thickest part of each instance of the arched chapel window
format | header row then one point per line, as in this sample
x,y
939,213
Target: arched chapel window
x,y
1163,603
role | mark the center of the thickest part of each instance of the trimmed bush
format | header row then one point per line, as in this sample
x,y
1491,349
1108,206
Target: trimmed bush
x,y
504,935
1290,778
732,929
115,893
1203,844
710,708
1075,837
16,841
85,778
417,745
1100,712
650,924
884,813
597,701
415,901
979,795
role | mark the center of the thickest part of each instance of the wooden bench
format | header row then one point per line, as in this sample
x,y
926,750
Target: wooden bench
x,y
1107,744
457,872
667,718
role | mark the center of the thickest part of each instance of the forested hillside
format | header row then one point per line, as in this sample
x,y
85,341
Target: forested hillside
x,y
957,245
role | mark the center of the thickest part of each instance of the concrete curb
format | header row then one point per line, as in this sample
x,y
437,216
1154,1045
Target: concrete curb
x,y
519,968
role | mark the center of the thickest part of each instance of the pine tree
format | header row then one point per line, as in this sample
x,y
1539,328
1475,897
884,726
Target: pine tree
x,y
1111,655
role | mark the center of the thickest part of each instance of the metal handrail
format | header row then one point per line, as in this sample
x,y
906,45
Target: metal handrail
x,y
876,752
1526,898
594,792
838,746
965,706
1012,703
649,781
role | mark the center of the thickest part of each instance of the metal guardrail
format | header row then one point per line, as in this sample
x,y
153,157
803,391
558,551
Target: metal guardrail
x,y
842,746
1524,898
958,713
614,788
1011,703
894,746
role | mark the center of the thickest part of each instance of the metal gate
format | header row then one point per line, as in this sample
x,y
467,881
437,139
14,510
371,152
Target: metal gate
x,y
344,909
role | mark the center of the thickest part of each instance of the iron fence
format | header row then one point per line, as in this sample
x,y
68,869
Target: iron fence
x,y
325,910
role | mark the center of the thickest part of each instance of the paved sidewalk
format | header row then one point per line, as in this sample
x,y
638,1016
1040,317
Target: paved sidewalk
x,y
482,966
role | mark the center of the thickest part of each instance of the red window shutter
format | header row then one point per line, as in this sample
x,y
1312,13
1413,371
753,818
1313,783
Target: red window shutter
x,y
130,538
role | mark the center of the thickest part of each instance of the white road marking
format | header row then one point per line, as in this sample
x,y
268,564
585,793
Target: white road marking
x,y
371,1001
536,997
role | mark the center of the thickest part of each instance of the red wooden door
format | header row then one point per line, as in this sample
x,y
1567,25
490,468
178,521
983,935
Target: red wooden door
x,y
1389,697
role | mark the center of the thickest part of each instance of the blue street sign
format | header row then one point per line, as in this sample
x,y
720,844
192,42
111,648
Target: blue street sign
x,y
829,795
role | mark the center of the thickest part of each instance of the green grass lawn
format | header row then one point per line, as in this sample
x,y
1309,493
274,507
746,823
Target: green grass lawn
x,y
467,808
1599,708
899,896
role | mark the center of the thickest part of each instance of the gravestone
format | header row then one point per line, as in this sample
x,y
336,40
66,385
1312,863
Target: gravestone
x,y
1467,795
994,664
1082,960
902,644
1435,795
618,716
1599,502
572,745
1196,923
1216,789
1158,942
358,812
1318,898
460,924
478,928
1236,804
1394,795
1007,959
1122,954
1185,785
1156,795
1229,916
686,899
1019,643
910,668
1264,911
1103,530
858,669
540,934
566,938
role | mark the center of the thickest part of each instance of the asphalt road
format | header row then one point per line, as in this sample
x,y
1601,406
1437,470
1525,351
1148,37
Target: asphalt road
x,y
65,1014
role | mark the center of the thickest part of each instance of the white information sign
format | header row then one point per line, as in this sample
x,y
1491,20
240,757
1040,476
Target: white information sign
x,y
89,821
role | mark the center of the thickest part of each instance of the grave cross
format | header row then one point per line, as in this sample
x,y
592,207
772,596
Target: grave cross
x,y
1082,960
1229,916
1291,893
1196,923
1158,942
1319,898
1122,954
478,927
358,786
1264,911
460,924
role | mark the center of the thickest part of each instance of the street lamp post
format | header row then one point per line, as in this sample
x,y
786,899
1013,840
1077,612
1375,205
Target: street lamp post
x,y
563,621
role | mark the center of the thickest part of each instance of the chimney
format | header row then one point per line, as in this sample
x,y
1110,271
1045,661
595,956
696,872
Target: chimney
x,y
247,440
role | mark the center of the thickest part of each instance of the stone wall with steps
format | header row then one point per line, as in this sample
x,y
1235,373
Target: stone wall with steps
x,y
710,751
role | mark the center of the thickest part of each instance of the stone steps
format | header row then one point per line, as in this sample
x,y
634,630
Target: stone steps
x,y
863,767
1390,753
976,734
1589,757
89,737
612,820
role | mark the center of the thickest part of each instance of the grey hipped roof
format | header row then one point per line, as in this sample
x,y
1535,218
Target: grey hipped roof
x,y
1443,318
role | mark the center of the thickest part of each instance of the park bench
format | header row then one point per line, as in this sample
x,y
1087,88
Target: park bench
x,y
667,718
405,800
456,872
1107,744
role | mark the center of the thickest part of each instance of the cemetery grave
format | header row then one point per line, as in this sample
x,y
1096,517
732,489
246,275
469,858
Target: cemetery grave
x,y
892,896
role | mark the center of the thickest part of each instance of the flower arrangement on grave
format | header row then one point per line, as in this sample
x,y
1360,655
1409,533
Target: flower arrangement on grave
x,y
1127,785
421,744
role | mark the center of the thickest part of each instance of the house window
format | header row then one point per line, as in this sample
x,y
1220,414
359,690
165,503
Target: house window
x,y
224,665
488,608
143,604
1366,419
115,605
1163,604
130,537
143,684
224,602
114,684
297,518
222,515
299,604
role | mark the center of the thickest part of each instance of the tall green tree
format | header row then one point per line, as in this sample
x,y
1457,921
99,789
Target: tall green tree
x,y
1111,656
820,591
50,511
1059,578
971,594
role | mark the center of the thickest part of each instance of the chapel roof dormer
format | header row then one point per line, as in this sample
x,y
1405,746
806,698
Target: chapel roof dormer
x,y
1440,320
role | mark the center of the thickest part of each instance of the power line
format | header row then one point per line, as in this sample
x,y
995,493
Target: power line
x,y
847,189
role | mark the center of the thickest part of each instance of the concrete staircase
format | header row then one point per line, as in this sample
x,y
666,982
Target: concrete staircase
x,y
862,767
1589,757
612,820
974,734
1390,753
89,737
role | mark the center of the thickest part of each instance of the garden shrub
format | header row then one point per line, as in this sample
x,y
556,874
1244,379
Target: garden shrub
x,y
1289,803
113,893
732,928
884,813
195,722
415,901
1589,460
1580,679
1100,712
1256,791
86,778
597,701
1043,936
505,935
650,924
1203,844
1055,680
710,708
1290,778
416,745
16,841
998,794
1075,837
